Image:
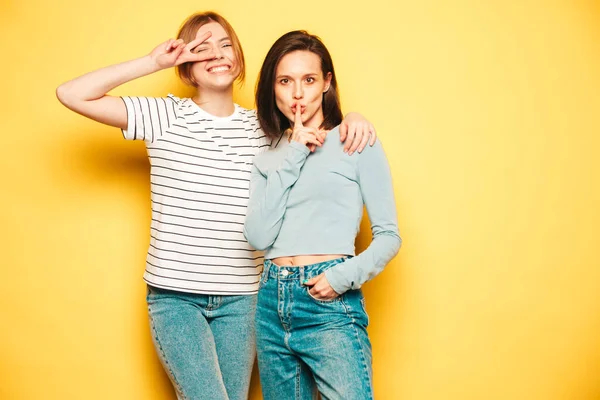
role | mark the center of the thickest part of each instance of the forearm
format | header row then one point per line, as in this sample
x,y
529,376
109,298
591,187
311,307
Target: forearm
x,y
96,84
354,272
86,95
268,198
377,191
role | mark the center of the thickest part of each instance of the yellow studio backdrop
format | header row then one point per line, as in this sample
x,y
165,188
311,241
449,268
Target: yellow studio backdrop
x,y
489,114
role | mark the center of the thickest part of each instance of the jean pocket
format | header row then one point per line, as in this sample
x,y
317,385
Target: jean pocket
x,y
321,301
363,304
263,280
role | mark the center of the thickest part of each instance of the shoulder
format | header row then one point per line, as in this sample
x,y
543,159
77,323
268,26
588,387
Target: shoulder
x,y
276,149
246,111
247,114
334,146
176,100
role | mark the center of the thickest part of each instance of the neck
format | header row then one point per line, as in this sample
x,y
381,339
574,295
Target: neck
x,y
217,103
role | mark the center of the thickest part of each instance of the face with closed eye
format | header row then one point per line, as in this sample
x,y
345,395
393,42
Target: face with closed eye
x,y
222,68
299,82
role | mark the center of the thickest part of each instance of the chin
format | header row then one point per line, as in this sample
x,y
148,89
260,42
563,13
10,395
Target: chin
x,y
217,82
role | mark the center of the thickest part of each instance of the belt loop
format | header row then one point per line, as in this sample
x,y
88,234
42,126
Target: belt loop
x,y
302,270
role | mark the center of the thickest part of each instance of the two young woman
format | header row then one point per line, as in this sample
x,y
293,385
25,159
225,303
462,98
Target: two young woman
x,y
202,274
306,203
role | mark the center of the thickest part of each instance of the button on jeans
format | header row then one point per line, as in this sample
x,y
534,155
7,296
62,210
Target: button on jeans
x,y
302,341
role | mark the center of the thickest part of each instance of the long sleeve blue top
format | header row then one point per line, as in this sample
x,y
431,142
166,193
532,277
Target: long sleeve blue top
x,y
304,203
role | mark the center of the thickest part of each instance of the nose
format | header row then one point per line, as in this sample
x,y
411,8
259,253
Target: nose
x,y
298,92
216,53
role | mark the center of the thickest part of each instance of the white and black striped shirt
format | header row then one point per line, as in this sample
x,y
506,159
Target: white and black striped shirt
x,y
200,176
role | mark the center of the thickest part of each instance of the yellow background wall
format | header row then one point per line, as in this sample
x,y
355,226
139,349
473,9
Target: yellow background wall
x,y
489,113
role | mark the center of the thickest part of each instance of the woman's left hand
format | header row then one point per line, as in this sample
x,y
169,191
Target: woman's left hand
x,y
355,132
320,290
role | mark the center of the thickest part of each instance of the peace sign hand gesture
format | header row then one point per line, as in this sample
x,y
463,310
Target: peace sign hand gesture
x,y
176,52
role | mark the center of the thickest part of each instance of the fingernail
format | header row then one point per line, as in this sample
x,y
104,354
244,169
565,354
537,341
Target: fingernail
x,y
304,282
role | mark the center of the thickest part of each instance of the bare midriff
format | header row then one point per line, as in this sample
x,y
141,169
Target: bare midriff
x,y
296,261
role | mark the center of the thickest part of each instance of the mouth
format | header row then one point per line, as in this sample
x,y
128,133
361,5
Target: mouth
x,y
302,108
217,69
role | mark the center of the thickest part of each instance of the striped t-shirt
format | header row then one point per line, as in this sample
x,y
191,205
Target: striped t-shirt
x,y
199,180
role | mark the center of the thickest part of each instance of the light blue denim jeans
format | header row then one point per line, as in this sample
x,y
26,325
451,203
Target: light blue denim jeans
x,y
302,341
206,343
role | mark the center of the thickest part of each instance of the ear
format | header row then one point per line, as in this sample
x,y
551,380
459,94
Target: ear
x,y
327,82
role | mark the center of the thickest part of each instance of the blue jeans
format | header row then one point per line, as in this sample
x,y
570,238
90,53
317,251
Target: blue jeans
x,y
205,342
302,341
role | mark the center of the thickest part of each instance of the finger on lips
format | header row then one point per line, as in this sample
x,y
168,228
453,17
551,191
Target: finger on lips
x,y
298,117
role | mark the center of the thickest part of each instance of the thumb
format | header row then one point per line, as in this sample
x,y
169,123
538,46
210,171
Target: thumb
x,y
298,117
310,282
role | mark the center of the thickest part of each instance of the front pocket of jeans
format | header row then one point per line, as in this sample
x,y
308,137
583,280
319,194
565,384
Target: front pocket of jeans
x,y
320,300
363,304
262,281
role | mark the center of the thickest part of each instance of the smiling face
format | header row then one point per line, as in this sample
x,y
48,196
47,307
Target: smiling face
x,y
299,82
221,70
225,62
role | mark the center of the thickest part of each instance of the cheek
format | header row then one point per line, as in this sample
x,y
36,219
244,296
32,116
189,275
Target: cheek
x,y
280,96
197,68
229,53
316,97
282,100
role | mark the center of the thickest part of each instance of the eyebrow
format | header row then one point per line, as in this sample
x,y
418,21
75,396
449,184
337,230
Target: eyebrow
x,y
225,39
304,76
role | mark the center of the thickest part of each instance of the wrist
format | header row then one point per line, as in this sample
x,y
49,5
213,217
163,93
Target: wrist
x,y
151,63
299,146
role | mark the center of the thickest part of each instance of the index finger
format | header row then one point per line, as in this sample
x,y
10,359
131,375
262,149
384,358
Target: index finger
x,y
298,117
198,41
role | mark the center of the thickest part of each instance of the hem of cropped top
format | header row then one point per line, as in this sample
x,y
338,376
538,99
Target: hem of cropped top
x,y
337,259
277,253
301,260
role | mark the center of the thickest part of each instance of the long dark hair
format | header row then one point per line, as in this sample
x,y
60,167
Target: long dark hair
x,y
272,121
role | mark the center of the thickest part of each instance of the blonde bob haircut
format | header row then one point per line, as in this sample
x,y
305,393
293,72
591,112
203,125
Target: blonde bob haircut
x,y
188,32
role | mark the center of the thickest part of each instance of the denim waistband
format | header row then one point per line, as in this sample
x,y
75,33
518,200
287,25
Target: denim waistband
x,y
301,272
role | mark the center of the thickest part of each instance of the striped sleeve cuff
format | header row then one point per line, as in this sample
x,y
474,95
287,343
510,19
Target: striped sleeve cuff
x,y
129,133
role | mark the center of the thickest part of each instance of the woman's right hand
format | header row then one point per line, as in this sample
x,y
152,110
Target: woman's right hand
x,y
176,52
310,137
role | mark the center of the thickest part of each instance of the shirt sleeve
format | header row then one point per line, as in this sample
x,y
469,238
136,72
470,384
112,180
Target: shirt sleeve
x,y
148,117
378,196
269,192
